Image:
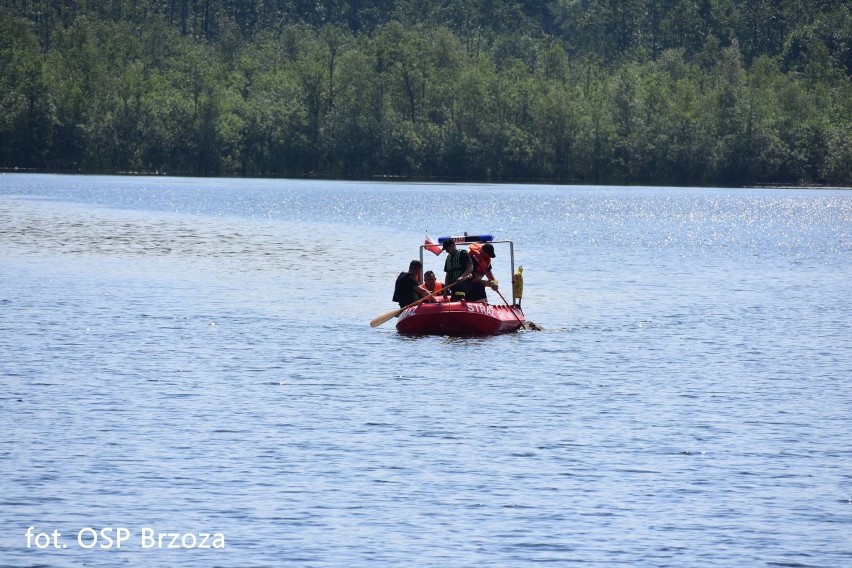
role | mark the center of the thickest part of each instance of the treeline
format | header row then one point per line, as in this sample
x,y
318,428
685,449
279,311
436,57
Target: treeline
x,y
679,92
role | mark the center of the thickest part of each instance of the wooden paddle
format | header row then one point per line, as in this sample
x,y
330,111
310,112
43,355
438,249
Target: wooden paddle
x,y
392,314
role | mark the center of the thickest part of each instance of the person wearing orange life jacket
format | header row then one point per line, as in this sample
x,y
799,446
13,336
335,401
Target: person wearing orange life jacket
x,y
481,254
431,284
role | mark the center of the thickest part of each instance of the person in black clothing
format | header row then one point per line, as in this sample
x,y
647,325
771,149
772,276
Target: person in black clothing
x,y
407,288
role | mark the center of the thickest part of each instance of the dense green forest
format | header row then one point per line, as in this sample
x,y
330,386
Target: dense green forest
x,y
722,92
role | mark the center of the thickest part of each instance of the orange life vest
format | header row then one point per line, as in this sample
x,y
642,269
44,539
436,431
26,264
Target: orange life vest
x,y
437,289
481,261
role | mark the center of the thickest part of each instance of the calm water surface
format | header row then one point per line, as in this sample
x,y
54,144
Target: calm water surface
x,y
194,355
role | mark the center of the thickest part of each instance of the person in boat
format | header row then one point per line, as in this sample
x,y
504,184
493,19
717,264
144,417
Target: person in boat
x,y
458,268
481,255
407,288
431,284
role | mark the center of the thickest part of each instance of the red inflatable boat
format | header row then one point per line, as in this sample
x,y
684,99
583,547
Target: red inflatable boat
x,y
459,319
438,316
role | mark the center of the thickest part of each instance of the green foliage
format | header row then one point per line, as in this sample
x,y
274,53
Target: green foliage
x,y
603,91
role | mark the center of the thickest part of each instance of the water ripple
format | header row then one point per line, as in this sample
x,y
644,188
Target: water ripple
x,y
195,355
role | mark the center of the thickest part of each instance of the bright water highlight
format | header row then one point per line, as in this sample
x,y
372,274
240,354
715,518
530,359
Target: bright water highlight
x,y
194,356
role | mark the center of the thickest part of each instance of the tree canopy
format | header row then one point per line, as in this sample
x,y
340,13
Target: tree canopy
x,y
681,92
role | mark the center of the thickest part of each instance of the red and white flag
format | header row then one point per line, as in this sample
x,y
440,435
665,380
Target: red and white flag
x,y
432,247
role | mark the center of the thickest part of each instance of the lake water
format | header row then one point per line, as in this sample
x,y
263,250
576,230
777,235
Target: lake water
x,y
195,356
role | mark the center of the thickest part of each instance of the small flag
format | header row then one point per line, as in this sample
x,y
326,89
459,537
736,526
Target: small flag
x,y
432,247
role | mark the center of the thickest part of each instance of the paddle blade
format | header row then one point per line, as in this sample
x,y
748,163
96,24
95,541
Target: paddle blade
x,y
386,317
